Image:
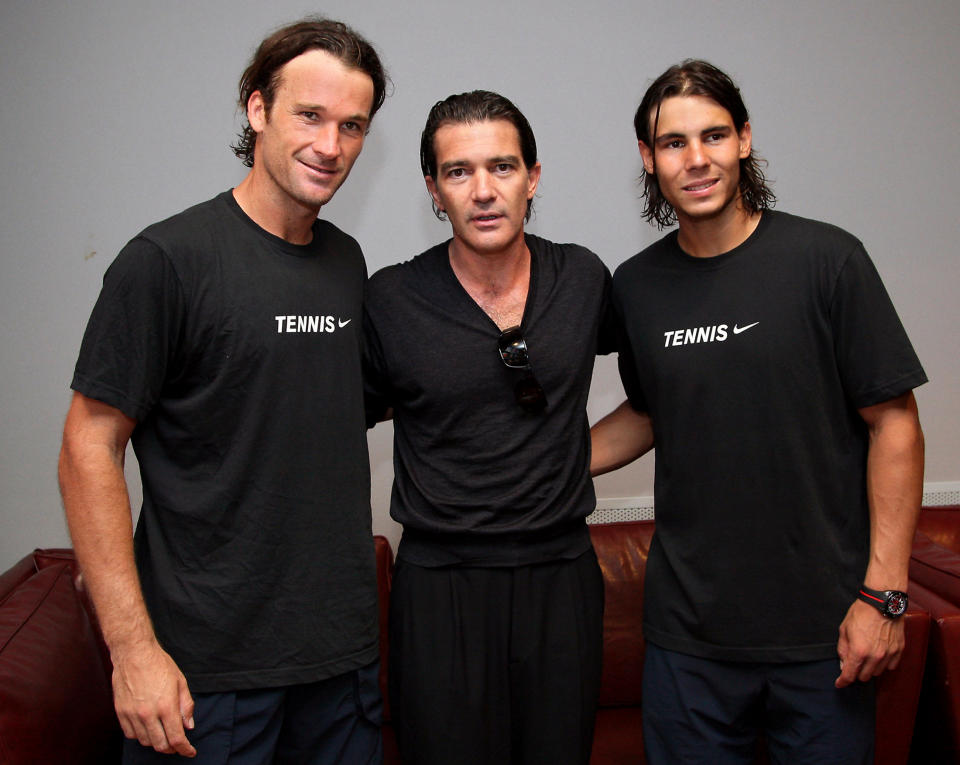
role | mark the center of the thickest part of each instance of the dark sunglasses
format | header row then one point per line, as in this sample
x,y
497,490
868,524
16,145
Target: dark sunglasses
x,y
513,352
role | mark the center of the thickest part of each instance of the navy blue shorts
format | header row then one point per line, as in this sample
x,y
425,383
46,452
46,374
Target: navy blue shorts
x,y
336,720
712,712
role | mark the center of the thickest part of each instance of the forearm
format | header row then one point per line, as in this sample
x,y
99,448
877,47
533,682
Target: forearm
x,y
150,693
619,438
97,507
894,492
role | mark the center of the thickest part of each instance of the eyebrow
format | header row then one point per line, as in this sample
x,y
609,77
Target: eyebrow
x,y
509,158
321,109
714,129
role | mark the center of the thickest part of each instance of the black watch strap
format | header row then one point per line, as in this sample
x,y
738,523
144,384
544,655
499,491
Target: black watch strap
x,y
890,603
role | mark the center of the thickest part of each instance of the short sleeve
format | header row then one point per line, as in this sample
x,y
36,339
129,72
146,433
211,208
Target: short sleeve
x,y
375,380
133,333
608,336
874,354
626,361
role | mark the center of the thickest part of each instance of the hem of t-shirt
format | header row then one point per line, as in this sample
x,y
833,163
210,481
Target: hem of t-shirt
x,y
275,677
432,550
769,654
891,390
108,395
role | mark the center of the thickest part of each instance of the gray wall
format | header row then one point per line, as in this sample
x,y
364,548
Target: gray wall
x,y
114,114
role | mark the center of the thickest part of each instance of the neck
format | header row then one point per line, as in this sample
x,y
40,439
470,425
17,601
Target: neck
x,y
289,221
709,237
497,282
495,271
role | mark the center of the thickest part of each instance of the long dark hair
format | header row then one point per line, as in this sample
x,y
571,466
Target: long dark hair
x,y
285,44
697,78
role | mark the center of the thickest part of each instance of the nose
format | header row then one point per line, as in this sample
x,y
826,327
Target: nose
x,y
326,142
483,189
696,156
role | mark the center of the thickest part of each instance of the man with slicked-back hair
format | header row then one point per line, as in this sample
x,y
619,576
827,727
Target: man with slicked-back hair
x,y
483,347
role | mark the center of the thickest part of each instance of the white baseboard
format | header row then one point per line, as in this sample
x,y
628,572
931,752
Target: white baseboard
x,y
618,509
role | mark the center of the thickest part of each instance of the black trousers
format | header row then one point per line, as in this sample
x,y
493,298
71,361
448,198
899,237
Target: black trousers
x,y
496,666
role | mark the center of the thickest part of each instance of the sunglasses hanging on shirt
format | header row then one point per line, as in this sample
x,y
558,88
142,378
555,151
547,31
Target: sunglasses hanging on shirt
x,y
513,352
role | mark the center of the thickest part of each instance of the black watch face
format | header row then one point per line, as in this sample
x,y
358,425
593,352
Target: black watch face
x,y
896,603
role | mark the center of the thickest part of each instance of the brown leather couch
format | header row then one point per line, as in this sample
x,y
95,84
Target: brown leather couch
x,y
935,586
55,703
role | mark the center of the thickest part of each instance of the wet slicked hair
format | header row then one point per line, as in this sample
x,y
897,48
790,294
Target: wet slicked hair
x,y
284,45
472,107
694,77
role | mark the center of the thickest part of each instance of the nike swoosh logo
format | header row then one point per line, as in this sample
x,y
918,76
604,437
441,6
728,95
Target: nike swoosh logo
x,y
737,330
342,324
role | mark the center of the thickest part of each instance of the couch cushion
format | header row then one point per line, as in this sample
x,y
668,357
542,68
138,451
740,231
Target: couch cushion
x,y
936,737
13,577
622,550
55,702
942,525
936,568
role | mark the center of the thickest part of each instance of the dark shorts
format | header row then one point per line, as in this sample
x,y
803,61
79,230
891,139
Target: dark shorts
x,y
712,712
496,665
336,720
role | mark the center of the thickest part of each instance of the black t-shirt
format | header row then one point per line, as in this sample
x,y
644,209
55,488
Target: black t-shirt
x,y
752,365
239,355
478,480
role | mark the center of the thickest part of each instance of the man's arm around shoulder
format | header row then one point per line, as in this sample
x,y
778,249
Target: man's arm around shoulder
x,y
151,696
869,642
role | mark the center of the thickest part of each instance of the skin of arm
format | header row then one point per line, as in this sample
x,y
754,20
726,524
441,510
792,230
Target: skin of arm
x,y
869,642
619,438
151,696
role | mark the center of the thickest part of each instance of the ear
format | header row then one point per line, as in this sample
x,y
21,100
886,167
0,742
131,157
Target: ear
x,y
533,179
647,154
746,140
256,111
434,192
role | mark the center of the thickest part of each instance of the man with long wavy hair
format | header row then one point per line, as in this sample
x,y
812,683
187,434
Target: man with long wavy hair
x,y
789,463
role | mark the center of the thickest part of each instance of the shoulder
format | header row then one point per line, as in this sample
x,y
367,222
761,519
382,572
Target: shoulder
x,y
423,270
564,257
796,230
647,257
186,237
330,235
188,223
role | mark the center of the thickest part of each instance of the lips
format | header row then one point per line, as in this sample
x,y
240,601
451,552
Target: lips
x,y
701,185
319,170
485,219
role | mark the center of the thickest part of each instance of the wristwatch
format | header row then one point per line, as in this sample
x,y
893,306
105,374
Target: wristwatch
x,y
890,603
